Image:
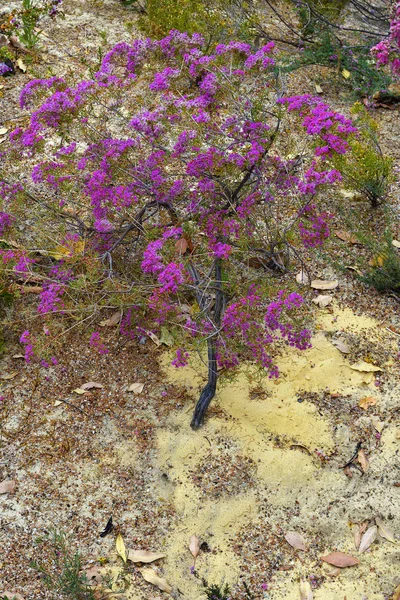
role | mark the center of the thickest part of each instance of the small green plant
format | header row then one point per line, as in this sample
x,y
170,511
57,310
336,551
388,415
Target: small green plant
x,y
365,168
215,591
64,577
362,77
217,21
23,21
384,271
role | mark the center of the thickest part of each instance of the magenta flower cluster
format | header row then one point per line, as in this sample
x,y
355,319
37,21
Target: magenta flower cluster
x,y
387,51
314,229
184,156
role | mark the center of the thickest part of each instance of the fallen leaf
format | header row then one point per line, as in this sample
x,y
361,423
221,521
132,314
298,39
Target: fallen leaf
x,y
14,41
113,320
384,531
21,65
355,269
90,385
11,595
341,346
194,546
306,591
322,284
7,486
365,367
378,260
61,252
181,246
340,559
151,577
359,532
30,289
7,376
79,391
366,402
295,540
3,130
396,595
302,278
322,300
396,243
153,338
333,572
363,460
318,89
345,236
136,388
93,574
120,547
368,538
144,556
378,425
57,403
166,337
346,74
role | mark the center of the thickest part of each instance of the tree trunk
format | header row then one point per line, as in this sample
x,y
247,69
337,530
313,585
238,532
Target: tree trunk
x,y
209,390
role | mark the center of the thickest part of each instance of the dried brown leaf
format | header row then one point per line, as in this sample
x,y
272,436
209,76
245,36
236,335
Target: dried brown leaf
x,y
302,278
363,460
396,243
378,425
396,595
384,531
364,367
341,346
333,572
322,284
368,538
11,595
295,540
93,574
181,246
194,546
340,559
345,236
358,533
151,577
355,269
8,376
366,402
136,388
113,320
306,591
21,65
322,300
120,547
144,556
318,89
90,385
153,338
7,486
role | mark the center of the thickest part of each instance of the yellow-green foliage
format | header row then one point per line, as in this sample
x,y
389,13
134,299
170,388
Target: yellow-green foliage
x,y
364,167
215,19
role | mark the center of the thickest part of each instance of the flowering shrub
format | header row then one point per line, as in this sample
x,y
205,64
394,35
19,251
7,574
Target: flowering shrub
x,y
159,177
359,159
387,51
